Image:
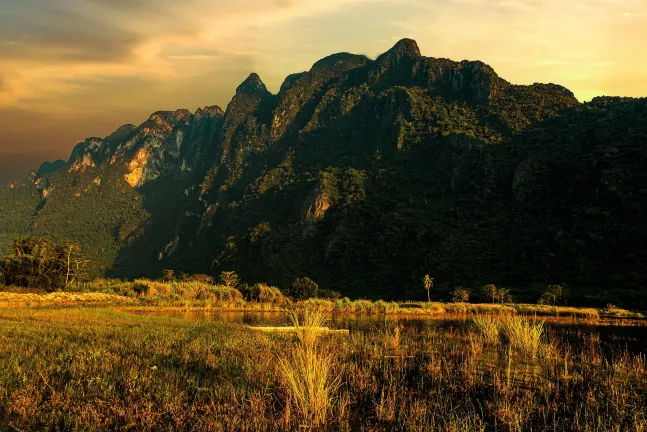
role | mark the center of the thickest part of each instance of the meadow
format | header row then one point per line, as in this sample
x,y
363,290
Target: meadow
x,y
97,368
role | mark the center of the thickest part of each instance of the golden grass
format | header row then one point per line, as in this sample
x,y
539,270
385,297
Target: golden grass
x,y
308,377
307,372
523,334
144,292
308,324
488,326
13,299
101,369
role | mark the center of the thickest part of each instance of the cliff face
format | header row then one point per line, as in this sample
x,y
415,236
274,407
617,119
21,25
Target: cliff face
x,y
361,173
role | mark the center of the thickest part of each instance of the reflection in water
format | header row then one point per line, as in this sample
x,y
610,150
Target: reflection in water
x,y
613,333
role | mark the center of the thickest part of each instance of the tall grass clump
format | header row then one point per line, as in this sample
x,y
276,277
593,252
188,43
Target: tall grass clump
x,y
307,372
524,334
308,324
488,326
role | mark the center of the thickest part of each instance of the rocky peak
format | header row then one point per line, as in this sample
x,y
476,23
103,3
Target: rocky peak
x,y
209,112
121,133
340,62
252,86
83,155
404,48
50,167
164,121
170,116
290,81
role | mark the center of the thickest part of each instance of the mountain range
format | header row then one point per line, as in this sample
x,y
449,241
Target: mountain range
x,y
364,175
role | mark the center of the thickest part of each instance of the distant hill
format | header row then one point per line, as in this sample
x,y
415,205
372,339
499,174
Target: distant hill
x,y
365,175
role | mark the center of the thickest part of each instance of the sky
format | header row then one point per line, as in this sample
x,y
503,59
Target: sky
x,y
71,69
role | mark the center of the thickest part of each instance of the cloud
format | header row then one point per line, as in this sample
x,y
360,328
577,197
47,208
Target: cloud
x,y
82,67
63,36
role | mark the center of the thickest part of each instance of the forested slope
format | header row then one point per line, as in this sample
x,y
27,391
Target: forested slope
x,y
364,175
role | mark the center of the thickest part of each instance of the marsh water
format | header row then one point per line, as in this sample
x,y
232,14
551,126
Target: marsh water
x,y
614,334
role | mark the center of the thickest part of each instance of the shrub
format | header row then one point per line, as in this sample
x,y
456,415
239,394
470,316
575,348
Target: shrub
x,y
270,294
201,278
140,289
262,293
249,292
329,294
168,275
303,288
220,293
149,288
460,295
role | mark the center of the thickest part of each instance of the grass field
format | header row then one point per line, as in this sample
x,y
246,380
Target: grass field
x,y
198,297
101,369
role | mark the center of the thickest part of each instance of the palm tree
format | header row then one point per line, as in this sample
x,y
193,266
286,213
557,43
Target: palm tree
x,y
428,281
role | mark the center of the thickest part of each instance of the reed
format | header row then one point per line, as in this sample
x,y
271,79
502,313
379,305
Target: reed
x,y
524,334
488,327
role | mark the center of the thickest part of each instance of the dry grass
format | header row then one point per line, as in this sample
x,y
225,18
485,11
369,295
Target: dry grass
x,y
523,334
60,298
308,377
98,369
488,326
307,371
201,295
307,324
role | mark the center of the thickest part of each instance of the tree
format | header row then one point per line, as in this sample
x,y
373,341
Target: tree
x,y
303,288
42,263
497,295
76,264
460,295
168,275
229,279
428,282
553,295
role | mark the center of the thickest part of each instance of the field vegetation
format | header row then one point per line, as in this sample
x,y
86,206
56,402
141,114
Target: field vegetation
x,y
100,369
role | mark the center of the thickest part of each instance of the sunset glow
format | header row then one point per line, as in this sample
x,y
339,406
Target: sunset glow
x,y
77,68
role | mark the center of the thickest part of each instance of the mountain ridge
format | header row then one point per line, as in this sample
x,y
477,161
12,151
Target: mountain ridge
x,y
346,172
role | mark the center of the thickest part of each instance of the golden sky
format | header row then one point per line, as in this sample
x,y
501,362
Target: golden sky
x,y
70,69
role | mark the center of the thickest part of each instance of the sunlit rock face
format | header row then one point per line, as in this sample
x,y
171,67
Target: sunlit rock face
x,y
167,144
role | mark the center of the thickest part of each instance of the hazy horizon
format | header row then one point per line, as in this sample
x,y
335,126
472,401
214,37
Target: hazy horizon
x,y
85,67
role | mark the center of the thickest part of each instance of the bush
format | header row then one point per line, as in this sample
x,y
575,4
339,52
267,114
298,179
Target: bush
x,y
329,294
168,275
219,293
460,295
262,293
303,288
140,289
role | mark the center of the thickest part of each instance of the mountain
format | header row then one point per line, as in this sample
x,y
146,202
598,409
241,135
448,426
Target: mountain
x,y
364,175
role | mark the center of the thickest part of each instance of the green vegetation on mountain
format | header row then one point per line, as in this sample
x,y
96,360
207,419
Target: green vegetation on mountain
x,y
365,175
